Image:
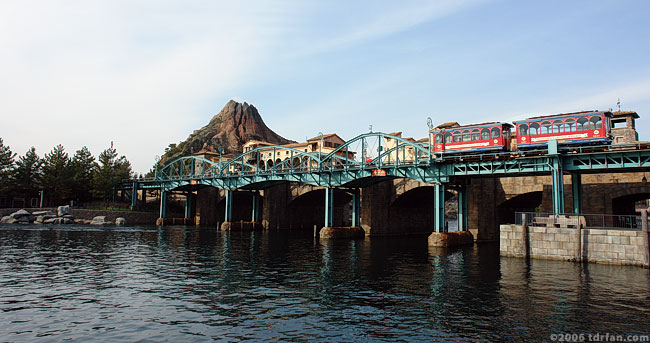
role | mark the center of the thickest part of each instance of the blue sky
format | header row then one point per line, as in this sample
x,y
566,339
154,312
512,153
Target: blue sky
x,y
147,73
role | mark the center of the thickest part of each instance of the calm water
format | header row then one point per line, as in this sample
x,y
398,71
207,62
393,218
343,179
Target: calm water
x,y
178,284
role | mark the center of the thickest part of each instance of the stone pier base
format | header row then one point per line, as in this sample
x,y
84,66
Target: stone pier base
x,y
451,239
342,232
241,226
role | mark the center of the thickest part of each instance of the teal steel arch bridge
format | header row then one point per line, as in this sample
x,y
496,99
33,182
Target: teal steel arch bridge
x,y
375,157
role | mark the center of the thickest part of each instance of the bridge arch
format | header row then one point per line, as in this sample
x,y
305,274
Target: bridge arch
x,y
526,202
625,196
308,209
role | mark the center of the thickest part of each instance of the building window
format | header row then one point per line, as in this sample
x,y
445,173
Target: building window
x,y
34,202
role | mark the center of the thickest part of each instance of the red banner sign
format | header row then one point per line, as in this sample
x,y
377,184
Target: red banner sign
x,y
378,172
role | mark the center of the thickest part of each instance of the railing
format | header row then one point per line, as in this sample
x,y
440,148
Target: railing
x,y
588,221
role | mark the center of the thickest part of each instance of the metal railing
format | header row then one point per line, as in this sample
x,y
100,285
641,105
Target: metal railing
x,y
589,221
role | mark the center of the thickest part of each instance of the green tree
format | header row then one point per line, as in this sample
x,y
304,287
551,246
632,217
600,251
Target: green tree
x,y
57,176
27,174
109,173
6,166
83,166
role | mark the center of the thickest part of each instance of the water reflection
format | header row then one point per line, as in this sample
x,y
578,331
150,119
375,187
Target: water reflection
x,y
186,284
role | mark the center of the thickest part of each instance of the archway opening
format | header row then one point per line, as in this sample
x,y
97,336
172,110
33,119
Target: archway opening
x,y
308,210
527,202
628,204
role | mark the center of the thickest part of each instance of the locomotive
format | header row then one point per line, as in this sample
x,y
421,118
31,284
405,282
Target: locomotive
x,y
569,130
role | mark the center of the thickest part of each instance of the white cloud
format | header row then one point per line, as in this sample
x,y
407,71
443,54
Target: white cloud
x,y
87,73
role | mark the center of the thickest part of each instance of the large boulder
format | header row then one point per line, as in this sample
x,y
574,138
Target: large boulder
x,y
63,210
7,220
120,221
99,220
22,216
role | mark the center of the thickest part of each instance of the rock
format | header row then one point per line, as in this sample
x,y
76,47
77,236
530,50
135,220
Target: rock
x,y
63,210
342,232
67,221
7,220
448,239
20,213
99,220
160,222
49,221
22,216
49,216
39,219
79,221
44,213
120,221
68,216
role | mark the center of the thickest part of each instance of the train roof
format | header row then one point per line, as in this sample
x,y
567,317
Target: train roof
x,y
562,115
472,126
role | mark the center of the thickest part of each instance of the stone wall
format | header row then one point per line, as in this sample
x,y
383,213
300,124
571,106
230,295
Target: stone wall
x,y
601,246
132,217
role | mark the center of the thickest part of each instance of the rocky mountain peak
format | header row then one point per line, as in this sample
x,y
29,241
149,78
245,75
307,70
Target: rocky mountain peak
x,y
233,126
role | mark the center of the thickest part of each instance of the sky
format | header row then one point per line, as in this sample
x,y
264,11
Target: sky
x,y
144,74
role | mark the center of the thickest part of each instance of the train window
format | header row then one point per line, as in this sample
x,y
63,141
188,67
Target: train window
x,y
457,137
546,127
558,126
582,124
595,123
466,136
523,130
570,125
496,133
485,134
476,135
448,137
439,138
534,128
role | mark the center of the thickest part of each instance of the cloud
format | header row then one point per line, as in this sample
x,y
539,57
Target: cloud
x,y
88,73
385,20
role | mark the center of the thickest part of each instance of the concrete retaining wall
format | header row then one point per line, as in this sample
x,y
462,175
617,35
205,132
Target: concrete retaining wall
x,y
601,246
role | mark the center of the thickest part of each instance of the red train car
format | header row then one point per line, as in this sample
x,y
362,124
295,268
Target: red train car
x,y
472,138
593,127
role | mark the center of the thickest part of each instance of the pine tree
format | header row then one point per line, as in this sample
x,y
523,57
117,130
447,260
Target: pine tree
x,y
27,174
57,176
6,166
109,173
83,166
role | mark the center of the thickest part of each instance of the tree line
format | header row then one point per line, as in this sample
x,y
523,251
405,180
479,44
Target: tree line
x,y
62,178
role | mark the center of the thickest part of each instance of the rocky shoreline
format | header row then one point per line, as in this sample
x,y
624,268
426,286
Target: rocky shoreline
x,y
63,216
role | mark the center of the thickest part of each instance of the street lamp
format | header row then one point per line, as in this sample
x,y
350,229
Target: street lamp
x,y
430,125
320,149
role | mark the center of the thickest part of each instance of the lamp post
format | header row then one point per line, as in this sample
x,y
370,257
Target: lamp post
x,y
220,153
320,149
41,193
430,125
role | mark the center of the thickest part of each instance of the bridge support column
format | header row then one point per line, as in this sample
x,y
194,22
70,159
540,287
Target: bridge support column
x,y
462,209
576,187
228,214
329,207
255,216
356,207
558,187
189,203
163,204
144,198
439,208
134,195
